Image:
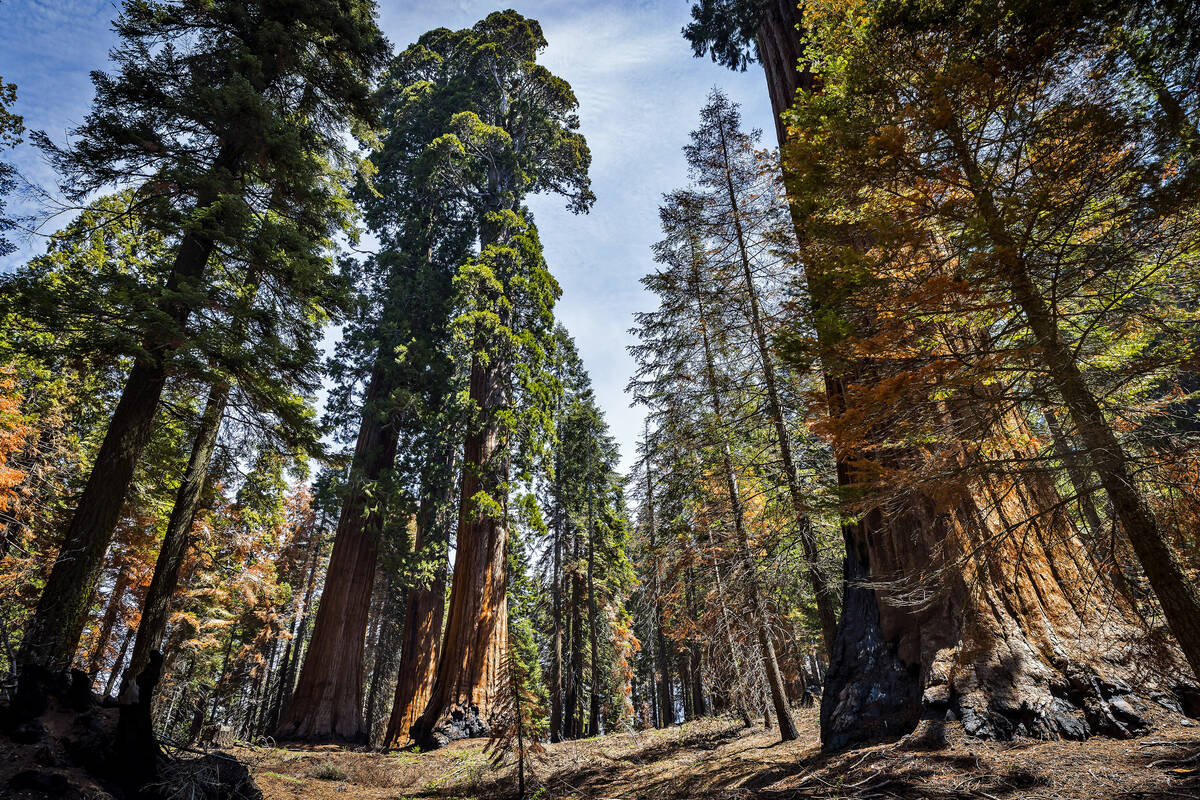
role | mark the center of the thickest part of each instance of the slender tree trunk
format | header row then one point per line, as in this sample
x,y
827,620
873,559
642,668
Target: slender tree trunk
x,y
666,716
1077,472
683,660
727,625
221,685
575,676
426,604
287,676
787,728
699,707
593,621
328,701
556,654
465,687
111,612
156,609
385,674
118,663
54,630
822,591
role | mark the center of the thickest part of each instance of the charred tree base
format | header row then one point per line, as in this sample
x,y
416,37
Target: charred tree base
x,y
77,747
462,721
1003,659
870,694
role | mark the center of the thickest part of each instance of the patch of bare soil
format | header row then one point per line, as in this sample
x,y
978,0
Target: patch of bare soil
x,y
718,760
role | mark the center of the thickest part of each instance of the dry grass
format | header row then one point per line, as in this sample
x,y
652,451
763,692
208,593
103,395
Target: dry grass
x,y
717,760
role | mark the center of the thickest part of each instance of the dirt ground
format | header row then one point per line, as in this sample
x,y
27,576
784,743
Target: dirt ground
x,y
718,760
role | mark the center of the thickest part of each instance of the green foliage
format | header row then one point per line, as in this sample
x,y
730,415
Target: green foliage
x,y
726,30
11,128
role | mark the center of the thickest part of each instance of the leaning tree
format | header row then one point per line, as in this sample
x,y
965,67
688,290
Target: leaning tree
x,y
214,111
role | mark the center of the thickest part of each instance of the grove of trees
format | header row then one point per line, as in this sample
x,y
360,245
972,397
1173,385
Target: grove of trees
x,y
921,439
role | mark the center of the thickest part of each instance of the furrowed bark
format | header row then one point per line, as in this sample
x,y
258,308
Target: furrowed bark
x,y
328,701
1005,644
385,672
466,687
1176,593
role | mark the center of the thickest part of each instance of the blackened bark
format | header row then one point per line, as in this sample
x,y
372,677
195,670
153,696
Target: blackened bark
x,y
384,673
989,647
137,751
699,706
683,660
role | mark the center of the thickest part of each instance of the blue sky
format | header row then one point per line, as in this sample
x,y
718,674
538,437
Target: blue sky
x,y
639,91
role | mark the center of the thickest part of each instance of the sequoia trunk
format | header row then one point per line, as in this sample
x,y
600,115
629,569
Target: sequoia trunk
x,y
328,701
1176,593
1007,643
426,605
465,689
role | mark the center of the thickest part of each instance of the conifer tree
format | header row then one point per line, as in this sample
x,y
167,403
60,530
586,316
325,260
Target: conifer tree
x,y
233,121
11,128
515,134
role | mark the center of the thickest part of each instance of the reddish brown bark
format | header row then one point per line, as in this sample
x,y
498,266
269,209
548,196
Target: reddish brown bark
x,y
977,609
328,701
424,611
465,690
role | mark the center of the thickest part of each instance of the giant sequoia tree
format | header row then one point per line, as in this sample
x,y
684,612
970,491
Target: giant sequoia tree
x,y
394,371
514,133
250,114
988,539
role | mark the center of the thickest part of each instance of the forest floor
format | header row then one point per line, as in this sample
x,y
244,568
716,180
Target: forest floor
x,y
716,759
